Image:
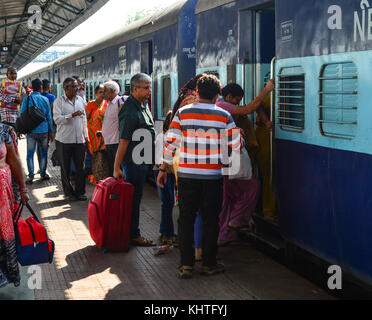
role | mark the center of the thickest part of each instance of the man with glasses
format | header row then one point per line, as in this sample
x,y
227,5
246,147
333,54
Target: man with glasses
x,y
71,138
135,120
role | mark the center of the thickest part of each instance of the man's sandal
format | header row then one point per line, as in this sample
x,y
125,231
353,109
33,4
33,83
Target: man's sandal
x,y
185,272
141,242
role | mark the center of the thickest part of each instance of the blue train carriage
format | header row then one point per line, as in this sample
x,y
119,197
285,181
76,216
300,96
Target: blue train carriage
x,y
160,45
236,41
45,72
323,129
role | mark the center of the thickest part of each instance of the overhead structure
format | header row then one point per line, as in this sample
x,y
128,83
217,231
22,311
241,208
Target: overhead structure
x,y
29,27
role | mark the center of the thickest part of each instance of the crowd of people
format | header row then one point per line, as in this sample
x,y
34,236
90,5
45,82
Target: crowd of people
x,y
187,157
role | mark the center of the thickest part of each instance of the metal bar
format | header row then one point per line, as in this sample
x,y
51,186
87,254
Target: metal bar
x,y
56,24
291,75
58,16
292,97
291,104
338,122
289,82
291,89
291,127
290,111
12,24
272,75
290,119
19,16
62,5
338,78
338,92
338,108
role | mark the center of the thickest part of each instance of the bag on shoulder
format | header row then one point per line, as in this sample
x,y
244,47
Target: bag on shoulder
x,y
30,118
244,170
33,244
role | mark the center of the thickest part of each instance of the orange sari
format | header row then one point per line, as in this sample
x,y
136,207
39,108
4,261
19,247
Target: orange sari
x,y
95,122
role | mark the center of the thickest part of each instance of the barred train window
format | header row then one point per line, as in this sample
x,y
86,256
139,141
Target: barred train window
x,y
338,100
166,95
291,99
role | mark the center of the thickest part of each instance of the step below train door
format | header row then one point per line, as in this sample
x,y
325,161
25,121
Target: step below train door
x,y
257,49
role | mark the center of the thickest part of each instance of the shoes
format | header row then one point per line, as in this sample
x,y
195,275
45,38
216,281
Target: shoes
x,y
142,242
29,181
185,272
46,177
210,271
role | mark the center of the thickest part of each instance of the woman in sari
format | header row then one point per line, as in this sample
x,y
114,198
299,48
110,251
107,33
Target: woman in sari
x,y
10,166
95,111
240,196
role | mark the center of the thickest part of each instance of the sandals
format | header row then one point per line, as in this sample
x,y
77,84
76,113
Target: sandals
x,y
185,272
142,242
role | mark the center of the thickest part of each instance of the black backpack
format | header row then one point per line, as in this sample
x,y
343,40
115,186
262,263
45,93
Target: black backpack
x,y
30,118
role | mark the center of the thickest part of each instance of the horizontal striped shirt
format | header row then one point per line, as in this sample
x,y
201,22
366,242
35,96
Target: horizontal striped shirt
x,y
205,133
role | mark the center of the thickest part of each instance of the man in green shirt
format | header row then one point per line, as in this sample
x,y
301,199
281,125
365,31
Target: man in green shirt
x,y
136,147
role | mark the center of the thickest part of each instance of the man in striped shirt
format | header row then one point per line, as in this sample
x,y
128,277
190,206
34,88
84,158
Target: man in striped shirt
x,y
204,132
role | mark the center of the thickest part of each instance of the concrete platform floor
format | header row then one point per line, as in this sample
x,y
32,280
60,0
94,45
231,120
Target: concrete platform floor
x,y
82,271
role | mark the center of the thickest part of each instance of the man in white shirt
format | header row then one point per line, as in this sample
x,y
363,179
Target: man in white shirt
x,y
72,135
110,127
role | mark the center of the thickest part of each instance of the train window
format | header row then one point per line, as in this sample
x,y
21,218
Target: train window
x,y
338,100
291,99
127,87
166,95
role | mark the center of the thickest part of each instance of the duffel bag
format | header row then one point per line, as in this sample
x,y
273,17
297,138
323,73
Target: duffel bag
x,y
30,119
33,244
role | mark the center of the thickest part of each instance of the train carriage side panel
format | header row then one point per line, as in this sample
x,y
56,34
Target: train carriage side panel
x,y
323,142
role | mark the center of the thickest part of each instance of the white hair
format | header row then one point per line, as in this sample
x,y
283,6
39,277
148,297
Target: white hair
x,y
112,85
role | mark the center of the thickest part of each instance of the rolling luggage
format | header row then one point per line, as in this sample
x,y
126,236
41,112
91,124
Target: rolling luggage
x,y
110,212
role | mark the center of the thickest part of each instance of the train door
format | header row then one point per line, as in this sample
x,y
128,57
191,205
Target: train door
x,y
147,61
259,50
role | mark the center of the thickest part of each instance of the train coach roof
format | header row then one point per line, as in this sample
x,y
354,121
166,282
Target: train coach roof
x,y
205,5
160,19
22,42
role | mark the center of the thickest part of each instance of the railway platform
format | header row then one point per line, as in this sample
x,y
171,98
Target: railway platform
x,y
82,271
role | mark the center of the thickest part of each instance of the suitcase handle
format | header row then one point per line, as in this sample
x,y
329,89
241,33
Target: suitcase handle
x,y
19,213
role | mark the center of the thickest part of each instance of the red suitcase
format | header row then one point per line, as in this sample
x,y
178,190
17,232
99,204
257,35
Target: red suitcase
x,y
110,212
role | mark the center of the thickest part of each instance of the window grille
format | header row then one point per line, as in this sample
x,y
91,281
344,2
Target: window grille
x,y
291,99
339,100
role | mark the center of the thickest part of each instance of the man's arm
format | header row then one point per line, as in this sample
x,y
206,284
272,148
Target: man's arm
x,y
120,154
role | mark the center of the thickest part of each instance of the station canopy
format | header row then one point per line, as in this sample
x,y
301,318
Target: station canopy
x,y
29,27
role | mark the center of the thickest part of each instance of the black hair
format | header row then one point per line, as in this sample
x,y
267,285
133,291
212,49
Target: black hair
x,y
46,84
67,81
167,121
189,85
36,85
234,89
98,87
208,86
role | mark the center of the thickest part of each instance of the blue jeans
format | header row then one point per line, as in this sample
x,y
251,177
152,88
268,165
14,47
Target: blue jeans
x,y
41,139
166,196
136,175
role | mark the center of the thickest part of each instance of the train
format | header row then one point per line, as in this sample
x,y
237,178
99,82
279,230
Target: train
x,y
319,54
